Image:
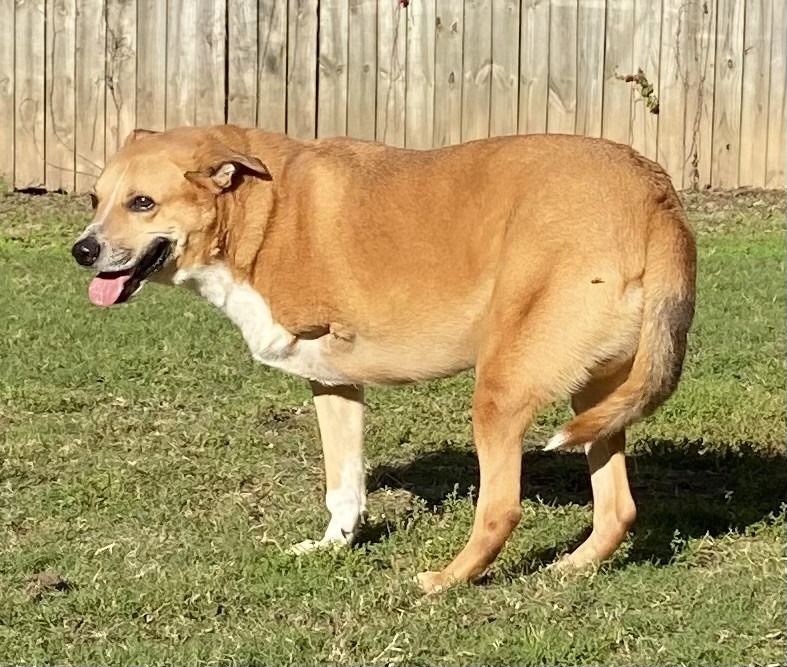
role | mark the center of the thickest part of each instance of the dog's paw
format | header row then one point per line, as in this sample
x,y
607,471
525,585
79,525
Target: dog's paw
x,y
303,547
307,546
559,566
433,582
566,566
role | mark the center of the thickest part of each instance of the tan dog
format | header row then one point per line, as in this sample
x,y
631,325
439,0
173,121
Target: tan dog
x,y
553,265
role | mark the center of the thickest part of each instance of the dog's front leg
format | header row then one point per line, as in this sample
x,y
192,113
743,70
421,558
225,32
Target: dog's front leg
x,y
340,417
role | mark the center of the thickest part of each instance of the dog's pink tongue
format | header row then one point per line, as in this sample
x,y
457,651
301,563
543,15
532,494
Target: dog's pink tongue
x,y
105,288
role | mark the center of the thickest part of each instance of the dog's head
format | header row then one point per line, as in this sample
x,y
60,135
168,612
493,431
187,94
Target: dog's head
x,y
155,196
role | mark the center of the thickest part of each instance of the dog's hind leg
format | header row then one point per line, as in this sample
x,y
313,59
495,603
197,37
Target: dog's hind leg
x,y
522,364
340,414
614,510
501,414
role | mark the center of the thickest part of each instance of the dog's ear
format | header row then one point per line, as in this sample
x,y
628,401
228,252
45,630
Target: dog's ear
x,y
219,167
137,134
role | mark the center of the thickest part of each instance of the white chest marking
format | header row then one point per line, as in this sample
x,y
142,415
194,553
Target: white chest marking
x,y
268,341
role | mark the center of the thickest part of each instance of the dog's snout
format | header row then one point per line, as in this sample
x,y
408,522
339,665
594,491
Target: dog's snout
x,y
86,251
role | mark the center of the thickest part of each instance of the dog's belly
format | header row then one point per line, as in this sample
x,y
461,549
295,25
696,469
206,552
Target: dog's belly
x,y
397,360
332,361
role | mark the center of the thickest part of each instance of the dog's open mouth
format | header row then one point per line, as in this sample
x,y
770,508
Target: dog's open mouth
x,y
109,288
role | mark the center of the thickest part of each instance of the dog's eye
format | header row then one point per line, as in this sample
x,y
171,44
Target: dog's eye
x,y
140,204
93,200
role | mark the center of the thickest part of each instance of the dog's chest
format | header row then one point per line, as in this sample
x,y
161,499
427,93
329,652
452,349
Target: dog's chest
x,y
267,340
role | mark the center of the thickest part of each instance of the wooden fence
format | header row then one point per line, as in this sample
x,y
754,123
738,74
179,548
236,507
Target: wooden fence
x,y
77,75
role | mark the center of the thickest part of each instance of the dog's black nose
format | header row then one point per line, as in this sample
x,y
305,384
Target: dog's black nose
x,y
86,251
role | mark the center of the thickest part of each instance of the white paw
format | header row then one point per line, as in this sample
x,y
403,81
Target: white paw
x,y
308,546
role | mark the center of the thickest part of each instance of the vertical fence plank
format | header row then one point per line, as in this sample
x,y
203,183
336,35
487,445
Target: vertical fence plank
x,y
209,56
647,50
7,116
121,72
151,64
590,67
391,68
504,113
448,73
362,70
704,141
618,60
419,96
671,94
181,62
777,133
29,89
562,108
332,69
727,96
477,65
243,34
59,107
90,92
698,48
302,70
272,66
756,89
533,66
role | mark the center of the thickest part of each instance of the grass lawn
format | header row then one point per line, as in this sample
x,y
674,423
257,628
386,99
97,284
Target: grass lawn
x,y
151,477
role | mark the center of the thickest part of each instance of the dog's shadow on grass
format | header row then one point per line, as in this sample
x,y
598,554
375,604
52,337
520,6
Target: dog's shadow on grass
x,y
681,488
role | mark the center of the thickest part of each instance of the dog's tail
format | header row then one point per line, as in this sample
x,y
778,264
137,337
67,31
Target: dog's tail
x,y
668,310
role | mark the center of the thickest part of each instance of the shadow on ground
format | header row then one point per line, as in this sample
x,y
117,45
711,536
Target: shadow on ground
x,y
679,487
